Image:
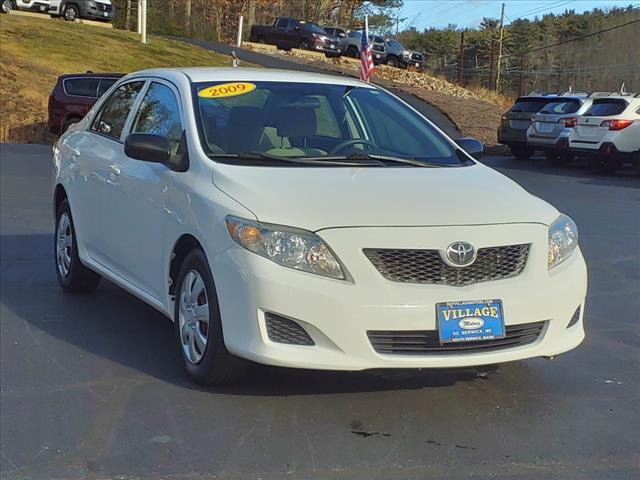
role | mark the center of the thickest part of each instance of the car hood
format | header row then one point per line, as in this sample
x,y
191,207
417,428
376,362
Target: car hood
x,y
318,198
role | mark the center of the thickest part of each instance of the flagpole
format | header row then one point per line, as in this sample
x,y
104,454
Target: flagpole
x,y
366,33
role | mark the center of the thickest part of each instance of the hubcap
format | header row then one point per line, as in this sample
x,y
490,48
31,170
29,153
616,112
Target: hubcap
x,y
193,317
64,244
70,13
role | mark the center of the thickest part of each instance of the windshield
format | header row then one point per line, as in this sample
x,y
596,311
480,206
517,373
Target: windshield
x,y
314,28
313,121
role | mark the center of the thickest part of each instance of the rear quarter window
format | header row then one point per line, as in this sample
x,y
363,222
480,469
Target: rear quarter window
x,y
81,87
605,108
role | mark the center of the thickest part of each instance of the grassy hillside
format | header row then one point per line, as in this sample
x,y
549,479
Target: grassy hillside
x,y
34,51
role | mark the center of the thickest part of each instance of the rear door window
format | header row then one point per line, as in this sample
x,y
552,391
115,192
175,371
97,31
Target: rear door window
x,y
81,87
113,115
606,108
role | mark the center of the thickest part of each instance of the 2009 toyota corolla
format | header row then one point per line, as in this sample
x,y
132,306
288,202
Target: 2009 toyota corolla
x,y
309,221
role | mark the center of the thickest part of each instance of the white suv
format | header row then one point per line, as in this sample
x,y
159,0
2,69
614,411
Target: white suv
x,y
310,221
609,131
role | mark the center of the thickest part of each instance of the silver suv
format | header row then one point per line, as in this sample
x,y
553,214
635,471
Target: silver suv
x,y
550,128
377,43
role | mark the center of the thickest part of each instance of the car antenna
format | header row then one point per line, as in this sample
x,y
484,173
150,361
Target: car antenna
x,y
235,62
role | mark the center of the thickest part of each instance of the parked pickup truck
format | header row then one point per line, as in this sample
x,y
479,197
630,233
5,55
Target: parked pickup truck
x,y
288,33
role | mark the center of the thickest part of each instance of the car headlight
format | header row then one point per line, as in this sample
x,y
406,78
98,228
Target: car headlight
x,y
563,240
286,246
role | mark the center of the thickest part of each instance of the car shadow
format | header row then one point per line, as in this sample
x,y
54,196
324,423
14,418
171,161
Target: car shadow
x,y
580,169
114,325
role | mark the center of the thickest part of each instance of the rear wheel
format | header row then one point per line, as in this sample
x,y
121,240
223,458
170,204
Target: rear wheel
x,y
392,62
6,6
198,325
607,166
73,277
522,153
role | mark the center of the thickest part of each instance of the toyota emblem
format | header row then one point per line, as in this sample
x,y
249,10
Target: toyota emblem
x,y
461,254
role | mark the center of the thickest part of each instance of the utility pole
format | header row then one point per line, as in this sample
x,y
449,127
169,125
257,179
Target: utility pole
x,y
492,64
521,82
500,49
461,60
143,4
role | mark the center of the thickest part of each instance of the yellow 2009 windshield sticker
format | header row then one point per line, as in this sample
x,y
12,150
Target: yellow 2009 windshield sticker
x,y
227,90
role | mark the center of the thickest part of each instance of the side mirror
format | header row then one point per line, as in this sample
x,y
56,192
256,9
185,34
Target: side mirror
x,y
472,146
147,147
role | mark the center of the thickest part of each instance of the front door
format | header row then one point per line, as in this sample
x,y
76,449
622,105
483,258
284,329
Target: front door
x,y
138,216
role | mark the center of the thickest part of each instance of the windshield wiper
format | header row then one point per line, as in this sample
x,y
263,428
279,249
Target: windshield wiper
x,y
258,156
382,160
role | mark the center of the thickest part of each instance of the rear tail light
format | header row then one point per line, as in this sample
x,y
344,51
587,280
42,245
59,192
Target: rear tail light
x,y
616,124
568,121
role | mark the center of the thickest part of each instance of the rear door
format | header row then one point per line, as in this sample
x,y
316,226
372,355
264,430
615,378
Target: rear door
x,y
589,130
137,216
549,121
99,150
525,108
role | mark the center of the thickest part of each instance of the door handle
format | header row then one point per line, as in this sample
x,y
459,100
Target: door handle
x,y
114,169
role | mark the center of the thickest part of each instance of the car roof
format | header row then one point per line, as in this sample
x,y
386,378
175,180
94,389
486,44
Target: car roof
x,y
218,74
91,75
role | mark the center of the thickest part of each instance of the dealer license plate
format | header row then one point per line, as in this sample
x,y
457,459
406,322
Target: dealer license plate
x,y
470,321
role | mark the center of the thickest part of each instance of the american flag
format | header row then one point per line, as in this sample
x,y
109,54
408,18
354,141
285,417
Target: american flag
x,y
366,60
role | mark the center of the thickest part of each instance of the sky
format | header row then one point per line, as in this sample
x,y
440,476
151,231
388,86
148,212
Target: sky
x,y
469,13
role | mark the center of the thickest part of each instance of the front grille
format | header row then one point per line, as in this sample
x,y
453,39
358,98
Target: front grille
x,y
427,342
427,266
103,7
416,57
284,330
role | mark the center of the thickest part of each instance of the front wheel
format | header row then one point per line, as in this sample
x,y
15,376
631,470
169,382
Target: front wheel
x,y
73,277
71,13
198,327
304,44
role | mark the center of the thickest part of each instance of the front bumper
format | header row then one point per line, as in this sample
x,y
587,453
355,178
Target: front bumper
x,y
338,314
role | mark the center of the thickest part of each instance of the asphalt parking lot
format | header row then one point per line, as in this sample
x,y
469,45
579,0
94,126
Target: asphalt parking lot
x,y
91,386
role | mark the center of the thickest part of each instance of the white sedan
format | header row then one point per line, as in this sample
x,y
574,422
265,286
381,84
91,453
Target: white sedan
x,y
309,221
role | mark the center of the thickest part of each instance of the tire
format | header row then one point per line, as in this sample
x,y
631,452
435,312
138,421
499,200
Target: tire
x,y
262,40
352,51
68,122
201,343
558,158
304,44
6,6
72,275
607,166
71,12
393,62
